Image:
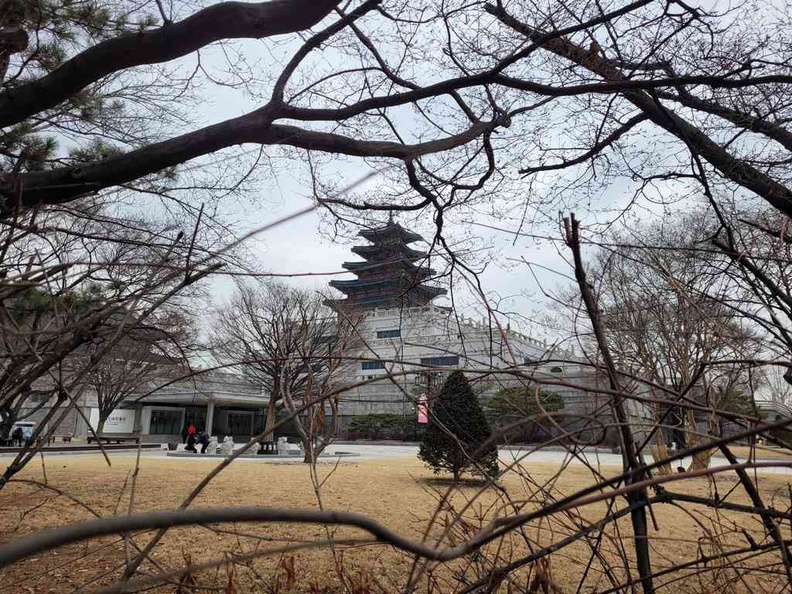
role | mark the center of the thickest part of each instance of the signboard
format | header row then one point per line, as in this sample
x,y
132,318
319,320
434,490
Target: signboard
x,y
423,416
121,420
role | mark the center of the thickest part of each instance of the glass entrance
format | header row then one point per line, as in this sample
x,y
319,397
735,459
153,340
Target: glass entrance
x,y
195,416
240,423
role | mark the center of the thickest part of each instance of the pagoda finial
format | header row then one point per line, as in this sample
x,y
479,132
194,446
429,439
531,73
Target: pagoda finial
x,y
390,217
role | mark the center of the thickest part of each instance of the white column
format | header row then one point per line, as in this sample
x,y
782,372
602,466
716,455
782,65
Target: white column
x,y
209,416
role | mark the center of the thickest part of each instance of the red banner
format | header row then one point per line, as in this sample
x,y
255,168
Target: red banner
x,y
423,415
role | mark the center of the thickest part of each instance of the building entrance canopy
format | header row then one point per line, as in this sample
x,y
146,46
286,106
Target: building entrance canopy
x,y
220,404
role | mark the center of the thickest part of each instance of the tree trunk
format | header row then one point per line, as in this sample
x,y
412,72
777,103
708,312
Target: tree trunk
x,y
317,445
6,422
700,460
269,424
101,425
660,450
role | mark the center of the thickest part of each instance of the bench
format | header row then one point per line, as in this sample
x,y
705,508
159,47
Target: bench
x,y
268,447
62,438
115,437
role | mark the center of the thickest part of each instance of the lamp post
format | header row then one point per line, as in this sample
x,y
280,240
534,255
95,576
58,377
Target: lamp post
x,y
404,413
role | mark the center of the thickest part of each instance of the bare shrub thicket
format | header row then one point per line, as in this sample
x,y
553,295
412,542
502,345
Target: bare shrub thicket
x,y
113,188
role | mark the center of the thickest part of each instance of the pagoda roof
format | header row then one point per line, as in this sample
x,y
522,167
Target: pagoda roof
x,y
433,291
338,284
378,282
369,266
363,250
373,300
420,294
347,285
381,298
391,229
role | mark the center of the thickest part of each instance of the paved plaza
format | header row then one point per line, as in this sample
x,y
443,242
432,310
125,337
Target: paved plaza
x,y
354,452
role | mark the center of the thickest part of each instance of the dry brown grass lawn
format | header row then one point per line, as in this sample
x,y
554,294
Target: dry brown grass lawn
x,y
761,452
399,492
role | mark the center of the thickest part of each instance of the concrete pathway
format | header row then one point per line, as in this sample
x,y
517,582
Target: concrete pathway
x,y
382,452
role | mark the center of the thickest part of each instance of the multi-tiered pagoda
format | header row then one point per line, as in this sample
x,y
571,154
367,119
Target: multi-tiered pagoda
x,y
389,275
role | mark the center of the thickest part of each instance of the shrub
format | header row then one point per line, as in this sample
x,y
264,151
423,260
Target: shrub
x,y
512,405
384,425
456,432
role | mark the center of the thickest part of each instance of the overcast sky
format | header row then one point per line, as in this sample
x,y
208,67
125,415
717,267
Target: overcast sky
x,y
300,246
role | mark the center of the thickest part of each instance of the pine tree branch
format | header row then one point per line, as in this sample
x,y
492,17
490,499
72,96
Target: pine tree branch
x,y
228,20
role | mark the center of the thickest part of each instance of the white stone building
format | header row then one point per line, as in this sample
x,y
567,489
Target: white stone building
x,y
408,344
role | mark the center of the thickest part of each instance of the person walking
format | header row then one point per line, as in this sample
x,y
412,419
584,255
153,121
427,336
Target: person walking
x,y
17,435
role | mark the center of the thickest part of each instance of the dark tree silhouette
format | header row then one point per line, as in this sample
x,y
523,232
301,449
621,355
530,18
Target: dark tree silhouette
x,y
457,432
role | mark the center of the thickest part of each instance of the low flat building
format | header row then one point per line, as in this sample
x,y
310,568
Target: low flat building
x,y
220,403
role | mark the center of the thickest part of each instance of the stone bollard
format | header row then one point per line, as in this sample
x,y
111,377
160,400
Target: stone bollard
x,y
227,446
211,448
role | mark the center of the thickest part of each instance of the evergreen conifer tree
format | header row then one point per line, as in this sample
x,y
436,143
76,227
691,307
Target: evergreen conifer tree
x,y
456,431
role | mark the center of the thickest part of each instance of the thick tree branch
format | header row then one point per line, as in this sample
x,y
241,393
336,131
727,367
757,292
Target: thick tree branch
x,y
451,85
738,118
65,184
46,540
228,20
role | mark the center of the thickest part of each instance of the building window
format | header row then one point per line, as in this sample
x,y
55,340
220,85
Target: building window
x,y
440,361
165,421
373,365
240,423
389,333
